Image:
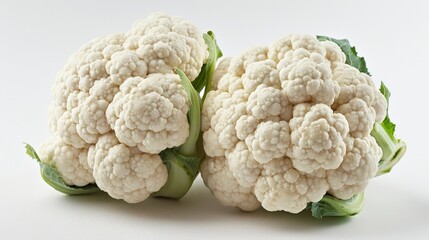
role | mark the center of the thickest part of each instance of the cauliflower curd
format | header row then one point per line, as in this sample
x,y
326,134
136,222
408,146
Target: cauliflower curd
x,y
286,124
118,103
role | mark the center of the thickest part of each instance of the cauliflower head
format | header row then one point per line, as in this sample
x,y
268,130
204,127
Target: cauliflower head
x,y
118,104
286,124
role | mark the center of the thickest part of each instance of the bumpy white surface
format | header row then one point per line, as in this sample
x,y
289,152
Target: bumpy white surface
x,y
150,113
287,123
123,87
126,172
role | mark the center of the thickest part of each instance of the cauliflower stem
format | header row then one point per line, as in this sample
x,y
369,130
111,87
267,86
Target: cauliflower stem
x,y
393,148
332,206
183,162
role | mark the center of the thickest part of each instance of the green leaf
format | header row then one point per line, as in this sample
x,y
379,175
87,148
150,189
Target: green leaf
x,y
204,78
384,133
189,148
352,58
331,206
31,152
52,177
388,125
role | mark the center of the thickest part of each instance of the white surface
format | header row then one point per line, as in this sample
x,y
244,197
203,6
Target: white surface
x,y
37,37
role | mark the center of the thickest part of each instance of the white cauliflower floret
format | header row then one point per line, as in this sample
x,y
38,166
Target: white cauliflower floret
x,y
71,162
354,84
308,80
91,114
317,139
152,115
162,23
282,187
213,98
232,80
360,117
333,52
74,100
225,187
270,140
224,121
243,166
221,69
83,70
212,146
230,83
170,42
268,102
68,129
124,172
304,69
282,49
239,64
262,72
91,65
245,126
226,126
125,64
359,165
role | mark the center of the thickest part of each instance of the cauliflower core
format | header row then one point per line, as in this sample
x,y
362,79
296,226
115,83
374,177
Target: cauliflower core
x,y
118,103
286,124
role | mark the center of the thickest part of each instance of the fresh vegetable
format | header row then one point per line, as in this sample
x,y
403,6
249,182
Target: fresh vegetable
x,y
125,117
295,125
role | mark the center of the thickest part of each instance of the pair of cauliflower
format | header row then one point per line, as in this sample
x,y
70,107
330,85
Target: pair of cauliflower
x,y
282,126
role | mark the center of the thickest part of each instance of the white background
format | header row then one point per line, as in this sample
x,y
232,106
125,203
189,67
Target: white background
x,y
36,37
